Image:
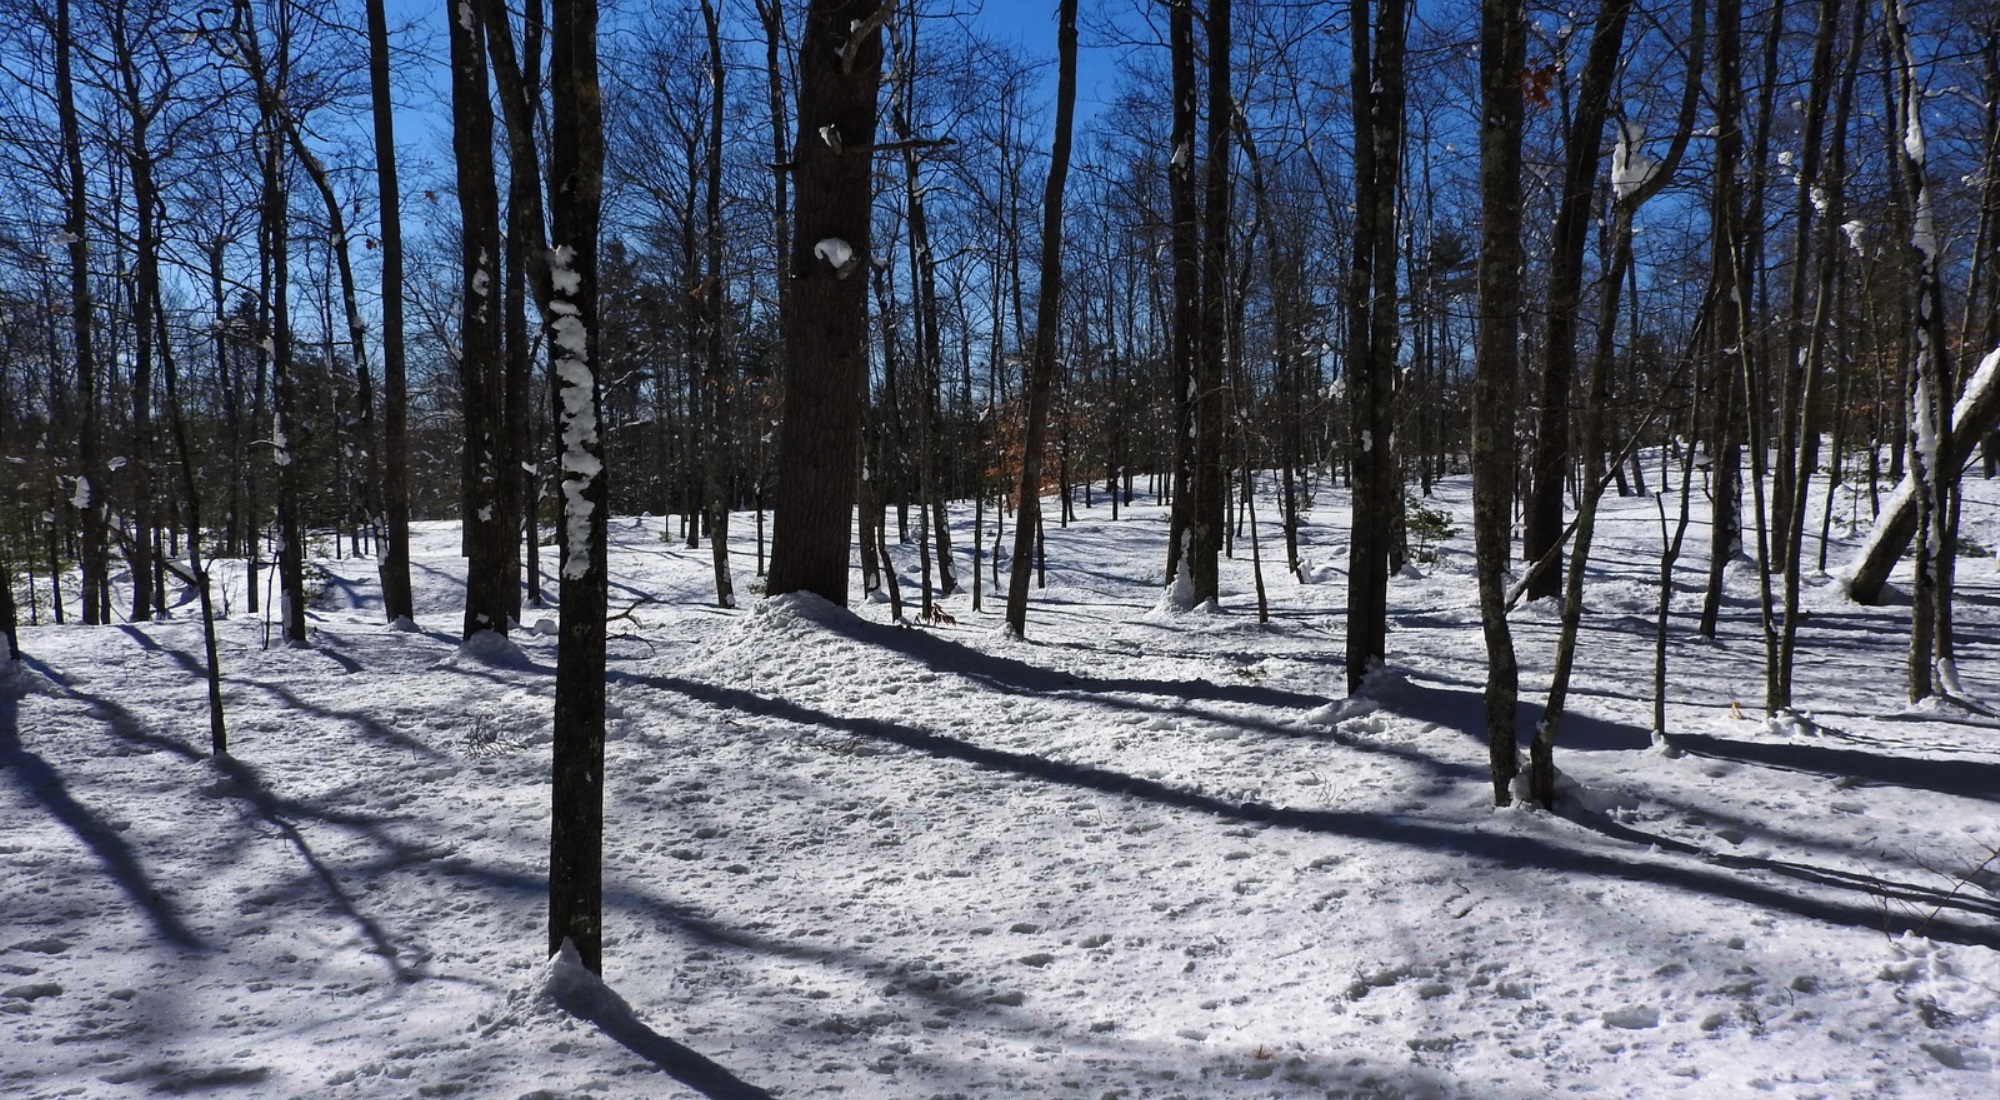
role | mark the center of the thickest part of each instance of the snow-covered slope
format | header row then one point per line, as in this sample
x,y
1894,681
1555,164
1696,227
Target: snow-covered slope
x,y
1138,855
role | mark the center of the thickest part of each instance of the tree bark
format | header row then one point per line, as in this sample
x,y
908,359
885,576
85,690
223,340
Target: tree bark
x,y
398,602
88,495
715,314
1934,460
488,539
576,185
826,315
1027,499
1209,477
1502,46
1373,340
1542,518
1726,267
1184,248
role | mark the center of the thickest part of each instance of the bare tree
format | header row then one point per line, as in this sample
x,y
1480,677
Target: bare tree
x,y
826,319
576,185
398,603
1502,46
1048,313
487,536
1373,324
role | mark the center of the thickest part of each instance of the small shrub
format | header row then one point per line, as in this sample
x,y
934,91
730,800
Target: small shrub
x,y
1427,526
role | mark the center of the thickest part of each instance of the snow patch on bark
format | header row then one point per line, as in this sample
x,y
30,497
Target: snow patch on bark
x,y
580,467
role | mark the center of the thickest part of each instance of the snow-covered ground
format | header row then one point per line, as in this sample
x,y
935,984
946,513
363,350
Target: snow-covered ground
x,y
1138,855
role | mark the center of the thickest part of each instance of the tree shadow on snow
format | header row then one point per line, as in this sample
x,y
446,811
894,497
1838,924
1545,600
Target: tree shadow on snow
x,y
1964,778
1453,704
1013,675
240,781
1885,890
1509,850
691,1068
41,782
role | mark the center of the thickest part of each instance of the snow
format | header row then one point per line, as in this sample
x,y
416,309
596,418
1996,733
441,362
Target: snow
x,y
1631,168
837,253
566,280
1857,235
578,395
1130,856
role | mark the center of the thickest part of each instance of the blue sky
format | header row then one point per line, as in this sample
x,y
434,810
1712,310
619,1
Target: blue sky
x,y
1028,24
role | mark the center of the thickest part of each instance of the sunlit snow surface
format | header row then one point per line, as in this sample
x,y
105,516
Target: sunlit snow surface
x,y
1138,855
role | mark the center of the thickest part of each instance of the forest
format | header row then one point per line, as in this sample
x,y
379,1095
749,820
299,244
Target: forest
x,y
1446,384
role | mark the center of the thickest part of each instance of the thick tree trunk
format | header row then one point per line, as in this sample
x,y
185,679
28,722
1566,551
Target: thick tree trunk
x,y
1373,334
398,603
1934,451
10,616
825,325
1209,478
576,183
489,537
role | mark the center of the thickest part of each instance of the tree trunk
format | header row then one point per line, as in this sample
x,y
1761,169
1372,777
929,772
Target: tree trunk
x,y
1184,247
488,538
1542,519
1209,477
276,212
1726,266
1503,38
714,315
88,496
398,603
1810,343
825,325
1372,335
1933,451
576,182
1027,499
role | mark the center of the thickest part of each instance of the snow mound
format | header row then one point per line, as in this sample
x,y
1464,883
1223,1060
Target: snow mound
x,y
1593,800
18,681
566,983
1792,724
1380,687
800,608
779,631
1320,572
561,986
489,647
